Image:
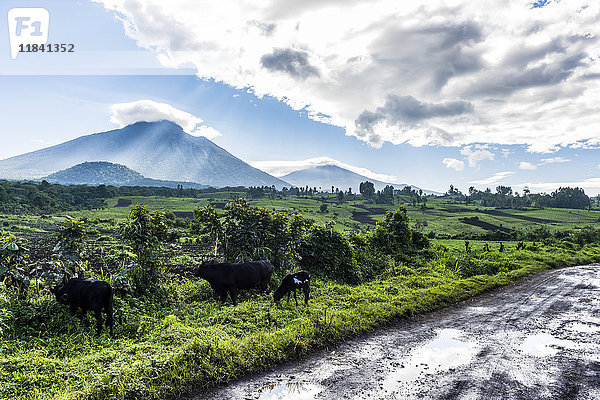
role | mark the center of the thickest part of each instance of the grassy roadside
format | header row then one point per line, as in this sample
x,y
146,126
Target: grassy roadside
x,y
190,342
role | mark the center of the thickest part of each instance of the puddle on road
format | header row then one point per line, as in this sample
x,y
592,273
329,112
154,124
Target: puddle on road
x,y
443,353
591,281
543,344
291,391
583,328
478,310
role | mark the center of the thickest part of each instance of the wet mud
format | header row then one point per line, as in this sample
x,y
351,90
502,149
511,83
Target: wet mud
x,y
536,339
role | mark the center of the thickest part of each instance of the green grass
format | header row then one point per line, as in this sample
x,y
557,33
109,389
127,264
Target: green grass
x,y
186,340
192,342
438,217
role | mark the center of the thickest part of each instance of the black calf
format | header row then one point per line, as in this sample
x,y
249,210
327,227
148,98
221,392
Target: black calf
x,y
89,295
290,283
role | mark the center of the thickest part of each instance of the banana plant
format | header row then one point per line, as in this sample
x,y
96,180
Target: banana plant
x,y
15,268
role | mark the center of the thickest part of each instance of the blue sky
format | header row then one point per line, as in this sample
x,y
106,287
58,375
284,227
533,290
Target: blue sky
x,y
475,103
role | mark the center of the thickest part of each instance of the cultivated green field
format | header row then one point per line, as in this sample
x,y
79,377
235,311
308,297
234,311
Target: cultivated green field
x,y
441,215
177,338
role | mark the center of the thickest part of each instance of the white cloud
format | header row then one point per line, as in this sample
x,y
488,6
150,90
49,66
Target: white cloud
x,y
454,164
591,186
476,153
436,72
552,160
526,165
498,177
147,110
281,168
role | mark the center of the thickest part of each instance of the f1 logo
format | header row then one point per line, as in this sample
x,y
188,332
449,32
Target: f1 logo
x,y
27,26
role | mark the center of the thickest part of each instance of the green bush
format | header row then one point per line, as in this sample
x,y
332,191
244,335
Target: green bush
x,y
328,254
145,231
393,236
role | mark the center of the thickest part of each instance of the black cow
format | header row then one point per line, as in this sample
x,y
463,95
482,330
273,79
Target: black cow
x,y
230,277
89,295
290,283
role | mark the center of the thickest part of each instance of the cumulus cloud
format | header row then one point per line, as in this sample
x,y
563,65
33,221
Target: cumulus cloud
x,y
498,177
147,110
454,164
446,73
406,113
293,62
281,168
526,165
476,153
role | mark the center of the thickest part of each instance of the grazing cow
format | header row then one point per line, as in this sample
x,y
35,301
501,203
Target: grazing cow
x,y
290,283
230,277
89,295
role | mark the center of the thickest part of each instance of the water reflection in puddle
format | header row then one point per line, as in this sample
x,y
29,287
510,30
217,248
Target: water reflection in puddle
x,y
291,391
478,310
443,353
543,344
583,328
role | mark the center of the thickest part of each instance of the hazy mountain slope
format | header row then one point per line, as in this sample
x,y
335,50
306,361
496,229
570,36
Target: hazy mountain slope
x,y
331,175
105,173
158,150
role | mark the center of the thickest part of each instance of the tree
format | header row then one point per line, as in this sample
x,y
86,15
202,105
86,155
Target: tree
x,y
367,189
570,198
387,195
145,231
504,190
210,224
68,251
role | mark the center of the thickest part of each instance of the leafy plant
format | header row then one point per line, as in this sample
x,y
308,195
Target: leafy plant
x,y
328,253
145,231
394,236
69,251
15,268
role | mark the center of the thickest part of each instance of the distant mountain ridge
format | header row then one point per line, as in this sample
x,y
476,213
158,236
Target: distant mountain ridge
x,y
325,176
158,150
105,173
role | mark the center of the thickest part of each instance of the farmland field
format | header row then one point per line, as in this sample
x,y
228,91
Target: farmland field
x,y
177,338
442,216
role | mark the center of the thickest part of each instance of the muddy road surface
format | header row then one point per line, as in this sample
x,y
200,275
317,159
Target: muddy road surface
x,y
536,339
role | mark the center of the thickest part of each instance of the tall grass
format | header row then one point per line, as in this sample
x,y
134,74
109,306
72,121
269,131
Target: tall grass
x,y
187,341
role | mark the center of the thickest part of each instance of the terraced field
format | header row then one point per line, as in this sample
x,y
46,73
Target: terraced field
x,y
441,215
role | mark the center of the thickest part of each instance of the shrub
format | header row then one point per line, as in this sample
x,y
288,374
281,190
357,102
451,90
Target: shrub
x,y
68,251
328,253
14,264
145,231
393,236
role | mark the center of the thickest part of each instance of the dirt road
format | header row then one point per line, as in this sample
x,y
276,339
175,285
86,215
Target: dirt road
x,y
537,339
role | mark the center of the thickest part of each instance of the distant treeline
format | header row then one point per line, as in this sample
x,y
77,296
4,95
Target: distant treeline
x,y
504,197
44,197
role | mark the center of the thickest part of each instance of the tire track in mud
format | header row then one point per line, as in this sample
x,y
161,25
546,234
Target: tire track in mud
x,y
535,339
